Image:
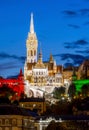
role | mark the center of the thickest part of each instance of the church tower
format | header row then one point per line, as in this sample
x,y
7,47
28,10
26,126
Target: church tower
x,y
32,43
31,46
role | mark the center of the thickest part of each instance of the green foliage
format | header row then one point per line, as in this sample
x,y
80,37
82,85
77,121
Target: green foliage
x,y
79,84
6,91
58,92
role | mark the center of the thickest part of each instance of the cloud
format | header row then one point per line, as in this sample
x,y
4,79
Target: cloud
x,y
80,51
68,64
12,76
83,51
74,26
71,59
8,65
72,13
81,42
8,56
86,23
84,12
69,45
72,56
75,44
69,13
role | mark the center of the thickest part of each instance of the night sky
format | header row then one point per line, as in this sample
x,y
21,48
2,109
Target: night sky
x,y
62,28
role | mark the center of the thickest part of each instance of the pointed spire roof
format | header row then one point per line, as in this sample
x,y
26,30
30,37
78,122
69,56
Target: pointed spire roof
x,y
40,63
51,59
31,24
40,53
21,73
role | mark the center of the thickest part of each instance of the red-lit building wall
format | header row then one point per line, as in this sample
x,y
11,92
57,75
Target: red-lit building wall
x,y
17,85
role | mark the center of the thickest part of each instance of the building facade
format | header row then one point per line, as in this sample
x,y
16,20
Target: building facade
x,y
14,84
35,104
13,117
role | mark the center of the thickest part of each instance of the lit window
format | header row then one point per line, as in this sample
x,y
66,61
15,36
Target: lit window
x,y
31,53
14,122
6,121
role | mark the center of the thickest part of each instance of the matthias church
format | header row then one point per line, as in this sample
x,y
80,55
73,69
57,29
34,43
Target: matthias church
x,y
40,77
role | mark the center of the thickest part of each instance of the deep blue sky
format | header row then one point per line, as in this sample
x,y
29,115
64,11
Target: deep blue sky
x,y
62,28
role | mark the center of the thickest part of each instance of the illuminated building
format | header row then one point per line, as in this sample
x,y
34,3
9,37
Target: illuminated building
x,y
13,117
40,77
16,84
34,104
83,71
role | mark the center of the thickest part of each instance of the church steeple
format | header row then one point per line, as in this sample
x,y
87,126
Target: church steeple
x,y
32,43
31,24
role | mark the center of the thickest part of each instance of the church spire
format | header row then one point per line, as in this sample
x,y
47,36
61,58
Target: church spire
x,y
51,60
40,55
31,24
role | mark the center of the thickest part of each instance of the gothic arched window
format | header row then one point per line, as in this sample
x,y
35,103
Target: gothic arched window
x,y
7,121
31,53
14,122
34,52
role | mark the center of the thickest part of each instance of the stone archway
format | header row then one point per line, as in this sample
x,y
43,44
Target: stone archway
x,y
31,93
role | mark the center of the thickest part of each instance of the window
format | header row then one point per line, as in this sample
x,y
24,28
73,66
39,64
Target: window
x,y
7,122
25,121
14,122
31,53
34,52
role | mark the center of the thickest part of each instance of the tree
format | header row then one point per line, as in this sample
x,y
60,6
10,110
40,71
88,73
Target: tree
x,y
85,90
4,100
58,92
6,91
72,90
56,126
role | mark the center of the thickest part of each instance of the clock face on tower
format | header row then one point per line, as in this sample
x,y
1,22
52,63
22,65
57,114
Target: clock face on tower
x,y
31,38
